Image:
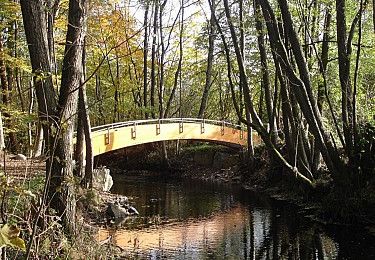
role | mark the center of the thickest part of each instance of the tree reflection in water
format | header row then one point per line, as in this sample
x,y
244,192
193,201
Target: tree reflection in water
x,y
193,220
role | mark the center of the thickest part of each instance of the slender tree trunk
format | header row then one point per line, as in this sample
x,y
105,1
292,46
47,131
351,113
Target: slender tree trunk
x,y
145,55
257,123
210,59
301,86
179,66
116,113
2,139
153,58
3,76
264,70
162,56
344,72
83,106
17,69
321,86
356,72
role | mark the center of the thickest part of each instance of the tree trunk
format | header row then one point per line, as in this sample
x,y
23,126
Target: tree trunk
x,y
179,66
321,86
210,59
145,54
86,124
62,186
33,14
2,140
344,73
301,87
256,123
264,71
153,58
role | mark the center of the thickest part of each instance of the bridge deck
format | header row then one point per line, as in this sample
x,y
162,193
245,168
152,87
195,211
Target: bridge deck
x,y
120,135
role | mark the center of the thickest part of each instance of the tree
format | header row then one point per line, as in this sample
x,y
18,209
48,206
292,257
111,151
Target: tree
x,y
210,58
58,115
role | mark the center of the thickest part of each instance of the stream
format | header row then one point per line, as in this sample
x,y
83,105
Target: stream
x,y
191,219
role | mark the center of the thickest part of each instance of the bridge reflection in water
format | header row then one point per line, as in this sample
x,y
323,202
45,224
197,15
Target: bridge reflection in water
x,y
223,236
205,221
107,138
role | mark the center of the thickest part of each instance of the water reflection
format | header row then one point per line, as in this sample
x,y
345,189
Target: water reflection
x,y
193,220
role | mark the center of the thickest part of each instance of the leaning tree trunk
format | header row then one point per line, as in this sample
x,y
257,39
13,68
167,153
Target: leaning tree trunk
x,y
256,121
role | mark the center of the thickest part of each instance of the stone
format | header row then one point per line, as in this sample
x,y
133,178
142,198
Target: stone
x,y
116,211
101,179
20,157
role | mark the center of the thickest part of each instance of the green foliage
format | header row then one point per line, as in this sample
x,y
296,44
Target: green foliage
x,y
366,149
9,236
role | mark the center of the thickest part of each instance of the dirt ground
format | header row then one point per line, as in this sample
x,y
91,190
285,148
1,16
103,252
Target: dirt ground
x,y
21,170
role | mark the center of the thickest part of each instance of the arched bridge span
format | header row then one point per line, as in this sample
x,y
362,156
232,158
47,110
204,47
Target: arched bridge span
x,y
115,136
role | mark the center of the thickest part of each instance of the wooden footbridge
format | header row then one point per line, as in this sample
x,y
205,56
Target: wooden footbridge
x,y
115,136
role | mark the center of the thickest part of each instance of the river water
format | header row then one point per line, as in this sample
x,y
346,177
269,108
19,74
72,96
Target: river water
x,y
188,219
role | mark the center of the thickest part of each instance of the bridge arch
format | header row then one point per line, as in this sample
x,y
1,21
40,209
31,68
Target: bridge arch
x,y
115,136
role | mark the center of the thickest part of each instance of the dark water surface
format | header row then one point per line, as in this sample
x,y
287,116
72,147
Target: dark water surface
x,y
186,219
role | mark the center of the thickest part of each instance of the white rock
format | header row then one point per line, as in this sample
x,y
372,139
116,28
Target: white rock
x,y
20,157
101,179
115,210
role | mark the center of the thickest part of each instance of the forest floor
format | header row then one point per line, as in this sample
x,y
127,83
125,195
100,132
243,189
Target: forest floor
x,y
21,170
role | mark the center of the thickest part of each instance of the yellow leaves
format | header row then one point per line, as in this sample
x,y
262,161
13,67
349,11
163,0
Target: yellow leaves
x,y
9,236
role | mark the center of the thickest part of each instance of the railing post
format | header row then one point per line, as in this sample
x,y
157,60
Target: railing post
x,y
222,127
241,133
106,137
133,131
202,126
158,128
181,127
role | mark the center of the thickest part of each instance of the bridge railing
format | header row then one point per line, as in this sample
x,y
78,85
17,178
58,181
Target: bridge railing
x,y
165,121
